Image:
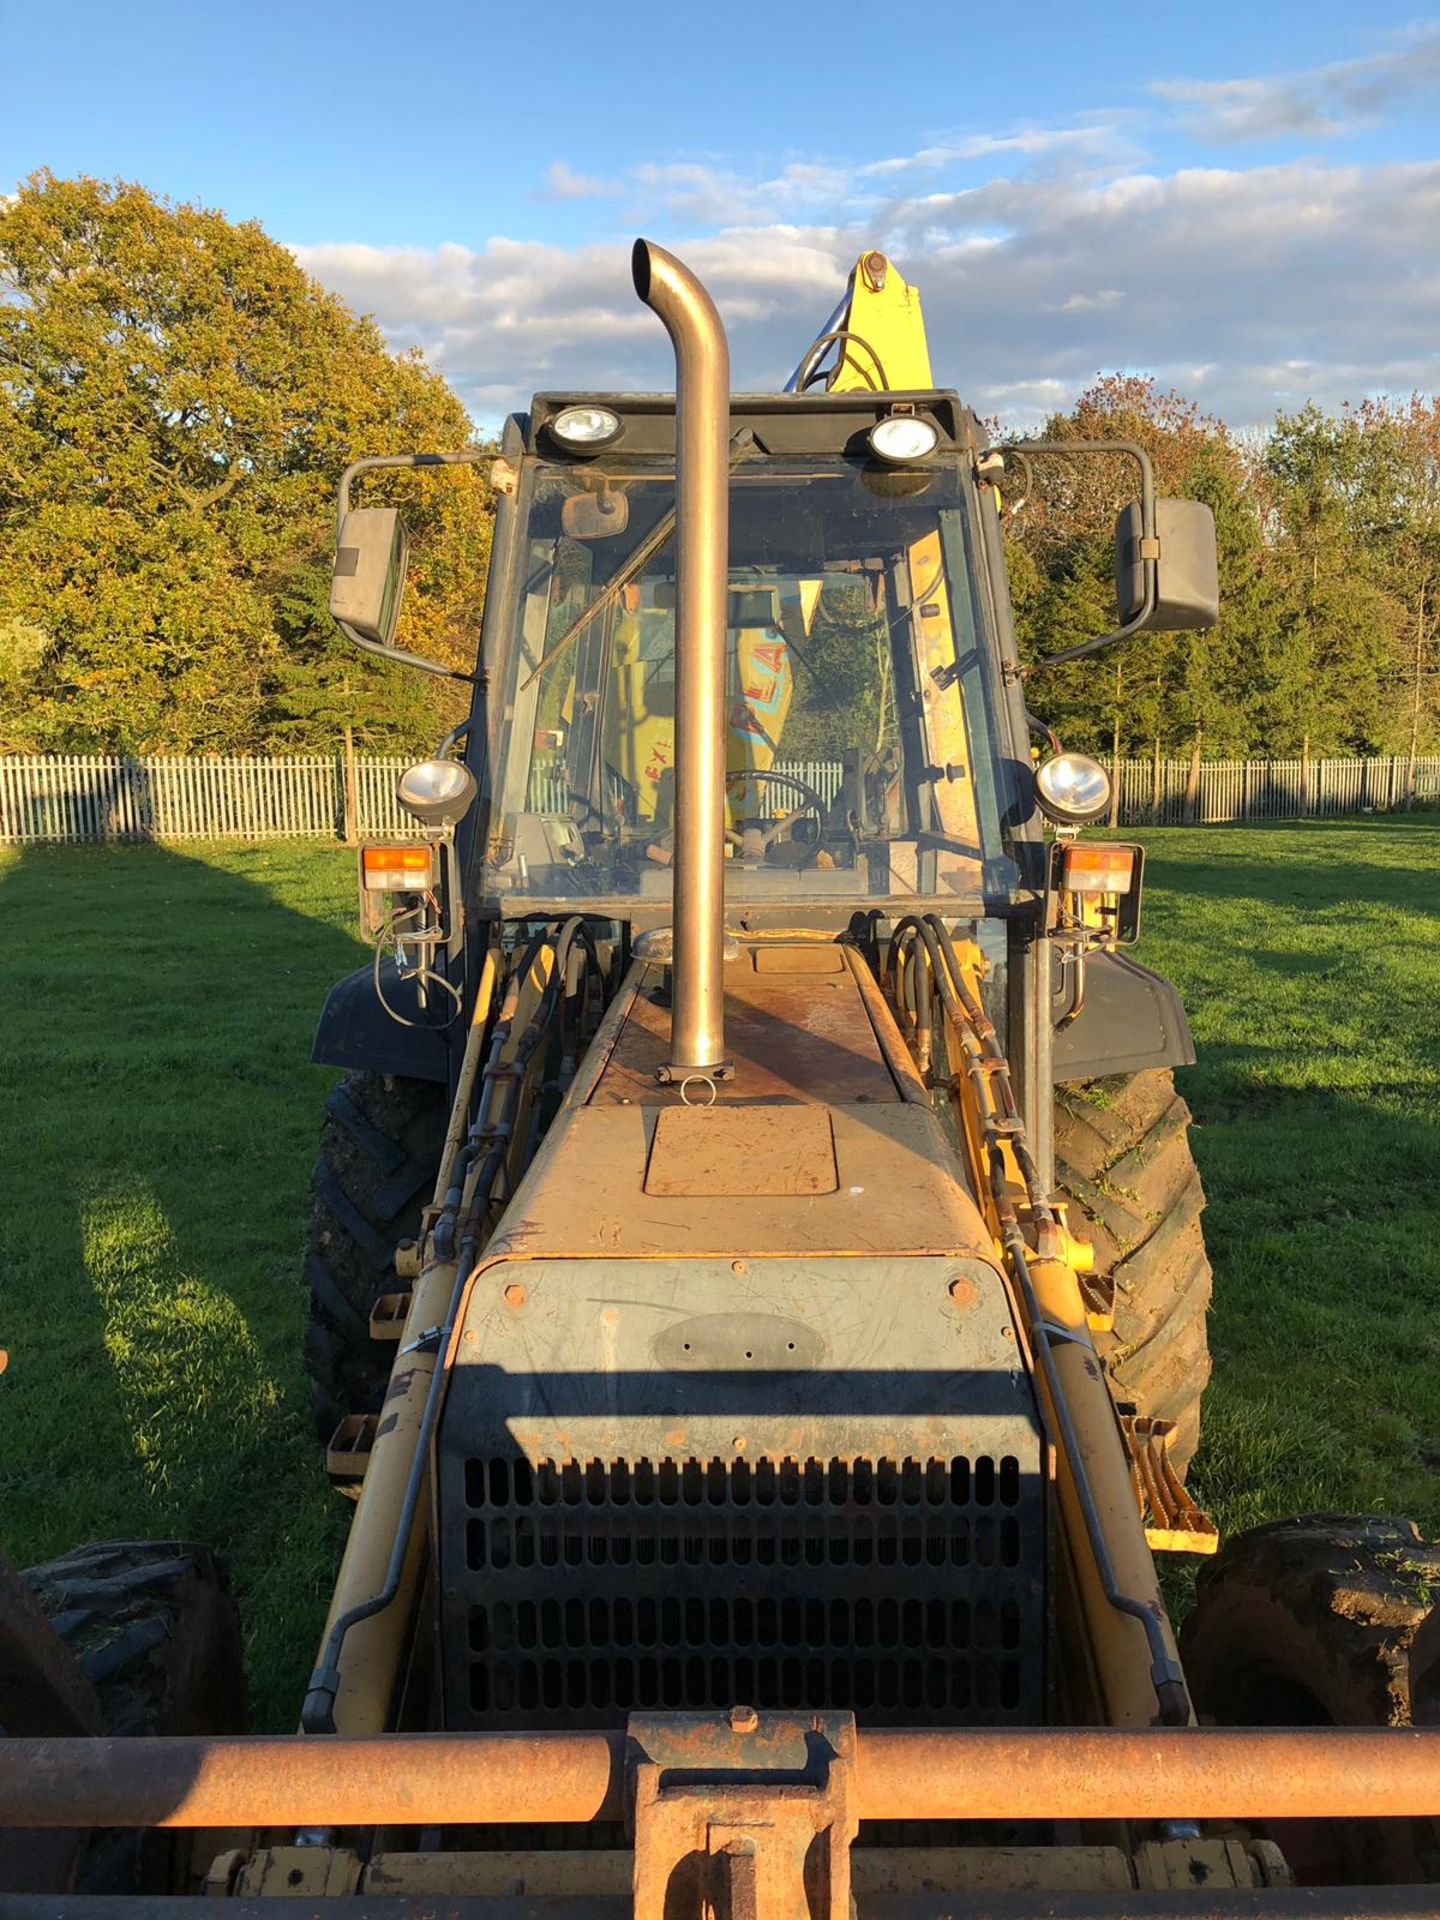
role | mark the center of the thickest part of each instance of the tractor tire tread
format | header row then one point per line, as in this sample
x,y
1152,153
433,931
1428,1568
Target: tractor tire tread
x,y
1330,1601
1124,1163
379,1154
155,1631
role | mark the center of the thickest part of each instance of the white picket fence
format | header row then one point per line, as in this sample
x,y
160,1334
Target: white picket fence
x,y
100,797
1225,790
79,797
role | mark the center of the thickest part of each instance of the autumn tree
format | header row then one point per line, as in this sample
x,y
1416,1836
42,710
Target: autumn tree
x,y
1154,692
177,400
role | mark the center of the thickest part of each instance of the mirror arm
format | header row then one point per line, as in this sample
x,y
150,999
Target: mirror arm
x,y
1150,573
468,456
402,658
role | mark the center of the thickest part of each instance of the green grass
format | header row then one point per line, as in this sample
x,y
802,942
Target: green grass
x,y
1309,959
160,1127
160,1123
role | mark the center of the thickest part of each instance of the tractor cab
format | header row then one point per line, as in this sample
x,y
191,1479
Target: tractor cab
x,y
866,753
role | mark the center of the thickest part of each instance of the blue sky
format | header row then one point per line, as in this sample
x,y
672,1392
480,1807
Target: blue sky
x,y
1241,199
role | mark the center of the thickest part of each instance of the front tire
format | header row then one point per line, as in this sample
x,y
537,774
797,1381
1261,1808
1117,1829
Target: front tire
x,y
379,1157
1124,1165
1323,1621
154,1629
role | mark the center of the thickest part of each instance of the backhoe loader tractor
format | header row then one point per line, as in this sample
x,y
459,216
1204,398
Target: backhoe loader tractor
x,y
757,1298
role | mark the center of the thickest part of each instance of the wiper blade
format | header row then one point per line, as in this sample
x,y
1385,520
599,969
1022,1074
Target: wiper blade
x,y
742,443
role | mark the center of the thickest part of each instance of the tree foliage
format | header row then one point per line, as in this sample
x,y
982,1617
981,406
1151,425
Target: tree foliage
x,y
177,401
1328,531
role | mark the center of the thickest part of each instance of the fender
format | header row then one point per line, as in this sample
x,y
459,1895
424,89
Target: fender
x,y
1131,1019
355,1031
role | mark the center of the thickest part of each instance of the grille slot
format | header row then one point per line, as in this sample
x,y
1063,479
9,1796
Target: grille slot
x,y
902,1590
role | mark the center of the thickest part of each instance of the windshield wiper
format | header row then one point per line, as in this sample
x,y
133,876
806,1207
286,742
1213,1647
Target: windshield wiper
x,y
742,443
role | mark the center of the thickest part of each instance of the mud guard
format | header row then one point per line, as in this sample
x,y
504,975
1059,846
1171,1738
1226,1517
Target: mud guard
x,y
355,1031
1131,1019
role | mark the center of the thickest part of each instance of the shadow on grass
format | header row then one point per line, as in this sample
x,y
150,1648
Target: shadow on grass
x,y
161,1124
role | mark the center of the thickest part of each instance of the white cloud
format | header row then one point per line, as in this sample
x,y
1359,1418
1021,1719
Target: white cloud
x,y
1100,134
563,183
1248,288
1316,103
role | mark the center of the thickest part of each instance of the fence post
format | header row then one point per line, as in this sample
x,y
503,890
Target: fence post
x,y
352,797
1192,785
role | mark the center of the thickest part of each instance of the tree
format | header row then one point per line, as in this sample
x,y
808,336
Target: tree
x,y
177,400
1406,475
1328,683
1156,691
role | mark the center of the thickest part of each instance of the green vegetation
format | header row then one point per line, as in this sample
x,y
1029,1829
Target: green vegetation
x,y
160,1126
1328,531
177,401
159,1007
1307,959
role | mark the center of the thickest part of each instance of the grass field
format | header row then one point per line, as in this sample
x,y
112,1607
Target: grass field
x,y
160,1118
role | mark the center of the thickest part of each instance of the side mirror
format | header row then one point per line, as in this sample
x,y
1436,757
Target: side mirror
x,y
368,581
1187,579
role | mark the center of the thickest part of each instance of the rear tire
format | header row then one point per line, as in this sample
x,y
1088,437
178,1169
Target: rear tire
x,y
379,1156
1123,1163
1322,1621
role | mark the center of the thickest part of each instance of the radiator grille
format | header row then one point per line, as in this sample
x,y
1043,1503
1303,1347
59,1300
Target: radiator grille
x,y
902,1590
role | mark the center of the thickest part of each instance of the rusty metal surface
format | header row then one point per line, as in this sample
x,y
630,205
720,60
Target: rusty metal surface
x,y
873,1870
739,1152
396,1779
742,1818
897,1193
1173,1522
790,1036
812,1481
897,1054
1293,1903
977,1774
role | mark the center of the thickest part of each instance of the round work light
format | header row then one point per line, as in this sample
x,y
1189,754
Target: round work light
x,y
1072,788
903,436
585,428
436,792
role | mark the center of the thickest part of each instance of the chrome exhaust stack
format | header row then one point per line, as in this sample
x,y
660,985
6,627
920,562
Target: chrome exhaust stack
x,y
702,482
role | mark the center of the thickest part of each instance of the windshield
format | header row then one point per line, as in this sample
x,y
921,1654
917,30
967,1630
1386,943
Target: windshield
x,y
860,754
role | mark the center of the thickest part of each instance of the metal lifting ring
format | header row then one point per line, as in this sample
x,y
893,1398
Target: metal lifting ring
x,y
705,1080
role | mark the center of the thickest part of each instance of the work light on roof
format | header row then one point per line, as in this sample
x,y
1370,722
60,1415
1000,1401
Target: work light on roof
x,y
901,437
585,427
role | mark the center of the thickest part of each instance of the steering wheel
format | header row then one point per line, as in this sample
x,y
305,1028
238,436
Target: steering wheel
x,y
810,802
755,841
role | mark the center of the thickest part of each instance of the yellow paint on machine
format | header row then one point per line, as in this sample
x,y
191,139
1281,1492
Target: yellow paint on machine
x,y
947,743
